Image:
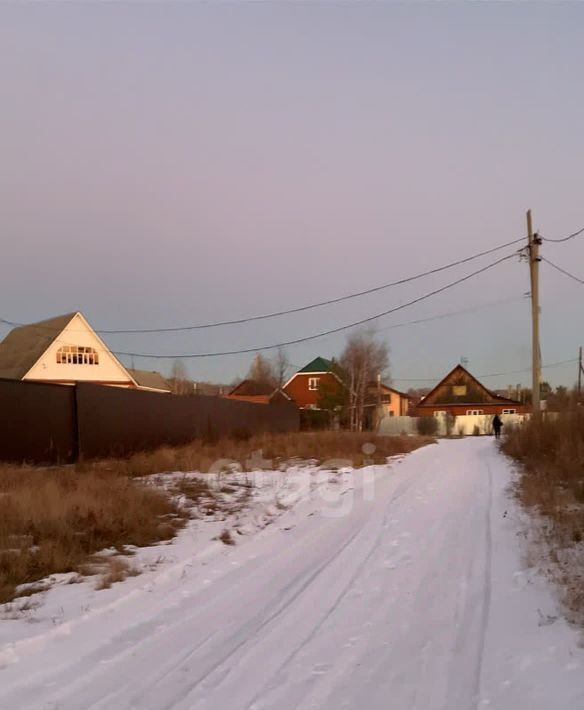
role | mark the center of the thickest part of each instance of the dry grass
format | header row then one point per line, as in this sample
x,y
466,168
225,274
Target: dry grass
x,y
226,537
52,520
279,448
117,569
55,519
552,454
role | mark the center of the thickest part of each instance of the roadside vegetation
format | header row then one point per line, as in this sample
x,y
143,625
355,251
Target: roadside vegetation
x,y
280,449
56,520
552,482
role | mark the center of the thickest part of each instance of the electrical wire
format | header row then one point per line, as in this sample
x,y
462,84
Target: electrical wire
x,y
188,356
448,314
563,271
491,374
564,239
299,309
428,319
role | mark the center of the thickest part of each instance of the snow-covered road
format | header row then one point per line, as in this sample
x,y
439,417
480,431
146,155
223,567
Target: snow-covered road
x,y
406,593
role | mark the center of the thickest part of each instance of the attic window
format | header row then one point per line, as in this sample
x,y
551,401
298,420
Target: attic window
x,y
77,355
313,383
459,390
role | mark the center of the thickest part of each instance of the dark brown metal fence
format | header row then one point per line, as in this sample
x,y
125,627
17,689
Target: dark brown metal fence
x,y
43,423
37,422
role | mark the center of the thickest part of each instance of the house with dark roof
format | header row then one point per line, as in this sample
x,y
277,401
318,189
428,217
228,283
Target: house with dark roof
x,y
251,391
258,392
66,350
460,393
149,380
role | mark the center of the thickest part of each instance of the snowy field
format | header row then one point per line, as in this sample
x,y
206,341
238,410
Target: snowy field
x,y
398,587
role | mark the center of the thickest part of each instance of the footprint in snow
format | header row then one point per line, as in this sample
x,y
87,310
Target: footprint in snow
x,y
546,619
320,669
351,642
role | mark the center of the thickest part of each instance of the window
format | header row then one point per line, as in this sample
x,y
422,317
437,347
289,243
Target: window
x,y
459,390
474,411
509,411
313,383
441,413
77,355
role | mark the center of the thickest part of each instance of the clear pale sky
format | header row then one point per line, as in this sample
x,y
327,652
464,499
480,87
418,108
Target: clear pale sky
x,y
171,164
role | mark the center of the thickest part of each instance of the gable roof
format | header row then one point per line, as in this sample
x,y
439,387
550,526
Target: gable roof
x,y
24,345
251,388
319,364
462,370
149,379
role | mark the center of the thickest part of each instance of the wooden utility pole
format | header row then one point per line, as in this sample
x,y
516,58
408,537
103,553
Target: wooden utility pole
x,y
534,241
580,371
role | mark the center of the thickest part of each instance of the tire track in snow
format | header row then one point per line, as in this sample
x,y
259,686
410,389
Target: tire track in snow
x,y
249,640
100,656
374,547
464,684
251,626
487,589
265,622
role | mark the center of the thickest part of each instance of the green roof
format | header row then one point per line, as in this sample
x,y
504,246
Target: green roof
x,y
319,364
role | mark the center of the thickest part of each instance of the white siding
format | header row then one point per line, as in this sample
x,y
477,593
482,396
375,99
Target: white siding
x,y
78,332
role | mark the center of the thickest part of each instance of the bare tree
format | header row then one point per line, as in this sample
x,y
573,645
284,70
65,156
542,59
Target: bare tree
x,y
179,380
281,367
364,359
261,371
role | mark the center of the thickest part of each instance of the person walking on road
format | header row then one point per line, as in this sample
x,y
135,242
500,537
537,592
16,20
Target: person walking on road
x,y
497,424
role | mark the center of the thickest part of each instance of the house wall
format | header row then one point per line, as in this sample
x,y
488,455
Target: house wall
x,y
298,390
397,406
77,332
458,410
256,398
459,392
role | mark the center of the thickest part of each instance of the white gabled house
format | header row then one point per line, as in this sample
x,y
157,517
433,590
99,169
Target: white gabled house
x,y
66,350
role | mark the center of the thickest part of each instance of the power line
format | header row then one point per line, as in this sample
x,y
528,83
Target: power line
x,y
428,319
299,309
439,316
491,374
564,239
448,314
327,332
563,271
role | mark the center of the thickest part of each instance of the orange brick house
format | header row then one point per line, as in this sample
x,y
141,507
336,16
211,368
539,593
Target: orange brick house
x,y
460,393
303,387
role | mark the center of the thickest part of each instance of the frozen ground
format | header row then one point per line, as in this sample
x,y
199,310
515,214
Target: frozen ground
x,y
397,587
